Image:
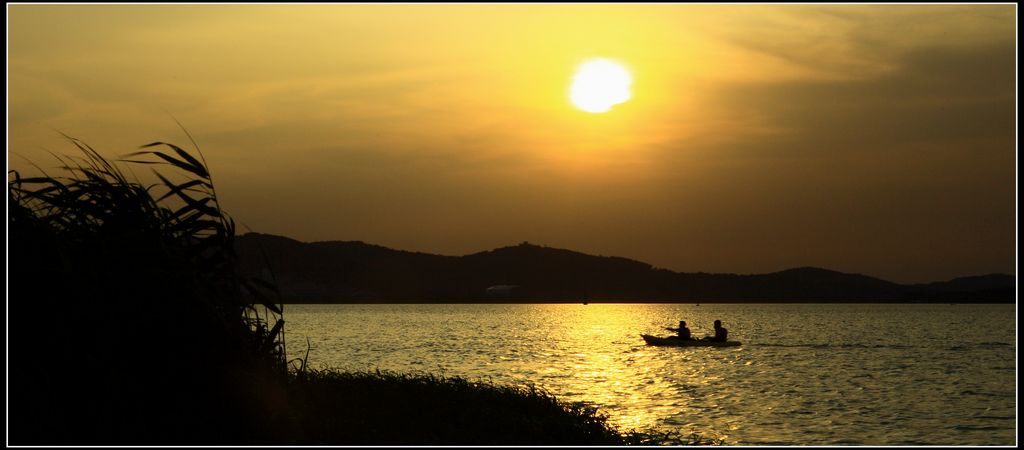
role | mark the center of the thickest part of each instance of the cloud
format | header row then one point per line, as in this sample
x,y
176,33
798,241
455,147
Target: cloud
x,y
938,95
909,172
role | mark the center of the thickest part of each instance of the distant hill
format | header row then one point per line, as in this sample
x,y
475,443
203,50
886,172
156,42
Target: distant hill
x,y
357,272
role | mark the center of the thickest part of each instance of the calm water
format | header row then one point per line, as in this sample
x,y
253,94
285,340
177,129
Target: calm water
x,y
851,374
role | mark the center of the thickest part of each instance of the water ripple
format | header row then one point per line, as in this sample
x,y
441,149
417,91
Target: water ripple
x,y
805,374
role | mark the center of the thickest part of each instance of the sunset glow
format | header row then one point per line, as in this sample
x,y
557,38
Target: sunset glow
x,y
599,85
814,124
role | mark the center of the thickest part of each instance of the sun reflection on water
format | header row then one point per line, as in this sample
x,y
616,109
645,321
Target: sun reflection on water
x,y
779,387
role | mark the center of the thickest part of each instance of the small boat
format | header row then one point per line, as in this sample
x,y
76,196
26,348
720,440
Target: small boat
x,y
676,342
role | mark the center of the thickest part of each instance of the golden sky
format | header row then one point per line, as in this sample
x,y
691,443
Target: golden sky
x,y
875,139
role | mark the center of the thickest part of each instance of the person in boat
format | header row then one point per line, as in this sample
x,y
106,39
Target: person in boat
x,y
721,334
682,332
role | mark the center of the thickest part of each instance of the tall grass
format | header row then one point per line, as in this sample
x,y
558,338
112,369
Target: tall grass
x,y
111,277
387,408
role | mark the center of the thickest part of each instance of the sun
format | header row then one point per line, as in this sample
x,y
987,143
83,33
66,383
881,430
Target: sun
x,y
600,84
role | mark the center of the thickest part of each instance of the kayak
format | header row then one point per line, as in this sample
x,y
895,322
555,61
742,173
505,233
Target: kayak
x,y
666,341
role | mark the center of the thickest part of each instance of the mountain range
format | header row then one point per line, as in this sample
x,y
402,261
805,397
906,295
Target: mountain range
x,y
357,272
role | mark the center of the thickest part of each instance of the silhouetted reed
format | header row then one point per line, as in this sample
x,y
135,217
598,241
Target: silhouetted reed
x,y
129,322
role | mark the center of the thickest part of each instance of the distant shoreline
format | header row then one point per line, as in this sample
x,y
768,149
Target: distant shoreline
x,y
357,272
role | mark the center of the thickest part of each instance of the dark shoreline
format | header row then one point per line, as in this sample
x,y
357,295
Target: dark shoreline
x,y
354,271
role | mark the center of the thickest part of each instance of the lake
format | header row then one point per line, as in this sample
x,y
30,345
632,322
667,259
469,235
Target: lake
x,y
806,374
